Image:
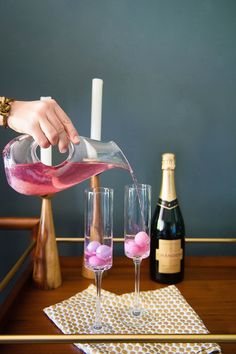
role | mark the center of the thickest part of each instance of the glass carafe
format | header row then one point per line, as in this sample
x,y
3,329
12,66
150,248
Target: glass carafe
x,y
28,175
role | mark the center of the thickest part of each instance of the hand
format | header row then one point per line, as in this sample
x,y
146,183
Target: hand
x,y
45,121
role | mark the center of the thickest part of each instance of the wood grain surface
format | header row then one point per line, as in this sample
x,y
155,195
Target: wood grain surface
x,y
209,287
46,272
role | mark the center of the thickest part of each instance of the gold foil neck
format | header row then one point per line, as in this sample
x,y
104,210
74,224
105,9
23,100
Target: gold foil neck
x,y
168,161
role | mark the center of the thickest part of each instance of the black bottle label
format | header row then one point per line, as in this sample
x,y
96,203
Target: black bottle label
x,y
168,205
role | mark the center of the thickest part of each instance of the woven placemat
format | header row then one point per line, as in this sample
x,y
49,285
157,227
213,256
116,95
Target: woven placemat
x,y
167,310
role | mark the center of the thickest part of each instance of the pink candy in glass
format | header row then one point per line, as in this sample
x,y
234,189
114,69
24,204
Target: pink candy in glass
x,y
94,261
142,239
103,252
98,255
132,249
138,246
92,246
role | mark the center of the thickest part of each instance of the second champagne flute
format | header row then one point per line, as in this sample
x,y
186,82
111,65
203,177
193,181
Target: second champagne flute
x,y
137,218
98,242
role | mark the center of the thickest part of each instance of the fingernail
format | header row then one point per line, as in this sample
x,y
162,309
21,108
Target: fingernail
x,y
63,150
76,139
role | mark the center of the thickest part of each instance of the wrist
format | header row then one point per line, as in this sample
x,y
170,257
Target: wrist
x,y
5,108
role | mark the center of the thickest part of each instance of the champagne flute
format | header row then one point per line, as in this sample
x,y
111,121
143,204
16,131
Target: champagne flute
x,y
137,219
98,242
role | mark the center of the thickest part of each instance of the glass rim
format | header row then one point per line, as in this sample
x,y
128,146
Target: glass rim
x,y
138,185
99,190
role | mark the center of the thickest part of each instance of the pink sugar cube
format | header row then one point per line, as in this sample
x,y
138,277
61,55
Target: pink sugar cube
x,y
87,253
132,249
94,261
103,252
142,239
92,246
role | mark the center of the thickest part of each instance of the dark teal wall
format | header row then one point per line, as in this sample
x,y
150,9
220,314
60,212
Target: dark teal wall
x,y
169,71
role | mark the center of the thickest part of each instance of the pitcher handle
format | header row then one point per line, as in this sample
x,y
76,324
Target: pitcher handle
x,y
35,157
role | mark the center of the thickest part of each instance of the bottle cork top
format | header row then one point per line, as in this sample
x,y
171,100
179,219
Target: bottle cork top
x,y
168,161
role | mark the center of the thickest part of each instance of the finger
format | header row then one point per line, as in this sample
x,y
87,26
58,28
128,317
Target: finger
x,y
55,122
49,131
68,125
39,136
63,142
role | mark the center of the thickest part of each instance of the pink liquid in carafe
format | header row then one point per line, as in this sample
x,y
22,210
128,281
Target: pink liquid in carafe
x,y
39,179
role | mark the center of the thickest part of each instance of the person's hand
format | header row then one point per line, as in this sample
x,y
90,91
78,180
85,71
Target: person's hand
x,y
45,121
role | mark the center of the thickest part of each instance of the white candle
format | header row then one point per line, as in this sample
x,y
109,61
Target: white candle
x,y
46,154
96,109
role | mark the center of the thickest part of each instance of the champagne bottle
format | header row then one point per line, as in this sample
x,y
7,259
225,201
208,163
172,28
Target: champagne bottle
x,y
167,230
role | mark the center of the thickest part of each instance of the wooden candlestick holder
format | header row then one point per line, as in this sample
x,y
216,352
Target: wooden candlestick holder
x,y
46,270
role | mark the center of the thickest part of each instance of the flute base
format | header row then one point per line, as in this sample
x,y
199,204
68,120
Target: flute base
x,y
103,329
137,318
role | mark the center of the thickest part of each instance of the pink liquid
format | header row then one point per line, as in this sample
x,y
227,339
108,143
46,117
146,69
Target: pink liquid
x,y
39,179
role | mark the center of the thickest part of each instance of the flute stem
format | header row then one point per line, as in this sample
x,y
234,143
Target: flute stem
x,y
137,304
98,281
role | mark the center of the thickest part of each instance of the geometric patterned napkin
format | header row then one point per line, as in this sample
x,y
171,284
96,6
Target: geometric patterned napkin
x,y
167,311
